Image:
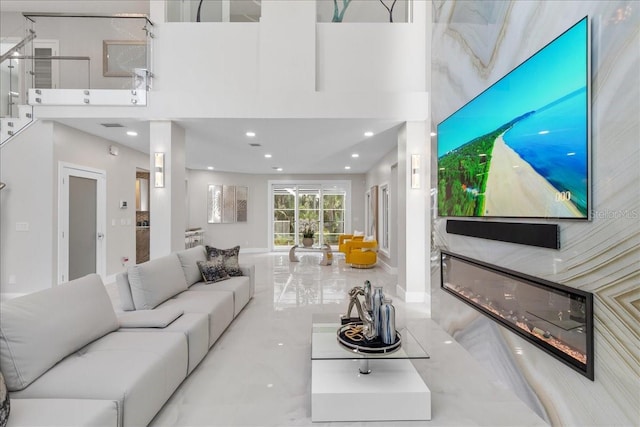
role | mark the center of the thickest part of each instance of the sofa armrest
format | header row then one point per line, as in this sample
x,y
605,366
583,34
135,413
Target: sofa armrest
x,y
158,318
250,271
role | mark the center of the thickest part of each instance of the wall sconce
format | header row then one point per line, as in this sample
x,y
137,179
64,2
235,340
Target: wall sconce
x,y
415,171
158,170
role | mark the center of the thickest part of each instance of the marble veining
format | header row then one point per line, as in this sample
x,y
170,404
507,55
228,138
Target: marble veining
x,y
602,255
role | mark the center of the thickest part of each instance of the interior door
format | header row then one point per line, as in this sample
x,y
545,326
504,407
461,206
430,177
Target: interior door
x,y
47,71
82,223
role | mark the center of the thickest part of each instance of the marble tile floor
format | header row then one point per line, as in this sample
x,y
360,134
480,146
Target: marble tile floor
x,y
259,372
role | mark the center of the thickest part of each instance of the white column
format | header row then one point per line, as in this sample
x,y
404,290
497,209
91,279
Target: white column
x,y
168,208
414,231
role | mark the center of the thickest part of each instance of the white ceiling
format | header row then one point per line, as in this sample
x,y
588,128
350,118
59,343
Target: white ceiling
x,y
298,146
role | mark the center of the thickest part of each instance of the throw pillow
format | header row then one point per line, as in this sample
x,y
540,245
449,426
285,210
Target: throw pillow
x,y
230,259
5,405
358,233
213,270
368,239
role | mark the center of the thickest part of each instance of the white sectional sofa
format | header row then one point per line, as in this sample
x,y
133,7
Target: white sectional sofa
x,y
69,359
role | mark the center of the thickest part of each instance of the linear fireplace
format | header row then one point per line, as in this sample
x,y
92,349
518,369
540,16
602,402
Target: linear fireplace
x,y
556,318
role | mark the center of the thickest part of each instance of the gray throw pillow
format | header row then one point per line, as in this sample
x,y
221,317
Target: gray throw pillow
x,y
213,271
230,259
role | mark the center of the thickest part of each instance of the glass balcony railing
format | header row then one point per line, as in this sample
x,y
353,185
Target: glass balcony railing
x,y
213,10
364,11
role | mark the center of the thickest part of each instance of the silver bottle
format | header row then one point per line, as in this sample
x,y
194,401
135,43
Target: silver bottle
x,y
378,298
368,296
388,320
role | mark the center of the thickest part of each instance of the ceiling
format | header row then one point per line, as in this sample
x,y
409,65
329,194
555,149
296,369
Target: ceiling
x,y
298,146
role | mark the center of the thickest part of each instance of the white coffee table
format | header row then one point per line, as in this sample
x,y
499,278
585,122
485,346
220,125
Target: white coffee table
x,y
392,391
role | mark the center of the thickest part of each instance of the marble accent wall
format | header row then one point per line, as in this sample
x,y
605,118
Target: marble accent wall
x,y
474,44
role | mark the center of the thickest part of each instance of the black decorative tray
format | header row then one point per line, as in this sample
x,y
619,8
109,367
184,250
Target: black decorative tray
x,y
349,338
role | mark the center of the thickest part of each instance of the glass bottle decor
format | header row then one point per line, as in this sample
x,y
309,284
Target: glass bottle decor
x,y
378,298
388,320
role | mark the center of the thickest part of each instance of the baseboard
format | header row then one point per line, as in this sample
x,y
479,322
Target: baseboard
x,y
410,296
387,268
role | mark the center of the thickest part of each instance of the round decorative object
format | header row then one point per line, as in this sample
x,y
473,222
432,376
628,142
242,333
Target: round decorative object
x,y
351,338
5,405
307,242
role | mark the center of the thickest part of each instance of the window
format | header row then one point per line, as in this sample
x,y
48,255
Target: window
x,y
323,205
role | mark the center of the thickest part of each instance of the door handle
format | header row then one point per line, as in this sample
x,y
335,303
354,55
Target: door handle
x,y
100,236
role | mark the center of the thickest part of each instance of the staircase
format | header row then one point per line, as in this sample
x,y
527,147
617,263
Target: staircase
x,y
11,126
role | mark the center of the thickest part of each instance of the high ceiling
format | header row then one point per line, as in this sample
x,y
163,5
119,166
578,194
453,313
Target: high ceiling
x,y
298,146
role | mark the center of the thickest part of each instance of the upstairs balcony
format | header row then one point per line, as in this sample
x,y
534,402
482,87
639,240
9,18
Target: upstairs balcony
x,y
72,59
220,58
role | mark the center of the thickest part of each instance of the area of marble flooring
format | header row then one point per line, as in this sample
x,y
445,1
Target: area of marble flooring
x,y
259,372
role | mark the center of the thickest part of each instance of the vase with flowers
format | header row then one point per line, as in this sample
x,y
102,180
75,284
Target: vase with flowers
x,y
308,229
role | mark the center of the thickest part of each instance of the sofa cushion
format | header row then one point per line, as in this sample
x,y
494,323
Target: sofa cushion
x,y
155,281
217,305
213,271
124,290
229,257
189,260
64,412
194,326
240,286
40,329
140,371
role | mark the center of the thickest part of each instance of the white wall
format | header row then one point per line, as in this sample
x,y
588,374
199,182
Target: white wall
x,y
29,166
27,257
253,235
260,70
364,57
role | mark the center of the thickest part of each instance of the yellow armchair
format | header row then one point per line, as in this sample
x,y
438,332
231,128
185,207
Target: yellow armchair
x,y
361,254
343,239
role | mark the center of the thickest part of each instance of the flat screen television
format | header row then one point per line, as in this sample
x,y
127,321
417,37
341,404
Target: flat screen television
x,y
521,149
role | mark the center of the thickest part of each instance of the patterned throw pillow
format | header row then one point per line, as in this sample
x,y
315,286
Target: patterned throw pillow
x,y
230,259
212,271
5,406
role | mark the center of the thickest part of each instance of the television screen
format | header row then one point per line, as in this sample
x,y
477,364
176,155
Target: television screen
x,y
521,147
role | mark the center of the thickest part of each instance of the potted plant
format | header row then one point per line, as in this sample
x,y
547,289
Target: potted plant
x,y
308,230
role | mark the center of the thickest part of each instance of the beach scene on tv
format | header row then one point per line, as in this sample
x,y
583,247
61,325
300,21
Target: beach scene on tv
x,y
520,148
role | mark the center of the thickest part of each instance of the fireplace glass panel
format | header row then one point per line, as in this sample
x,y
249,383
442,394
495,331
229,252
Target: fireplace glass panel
x,y
554,317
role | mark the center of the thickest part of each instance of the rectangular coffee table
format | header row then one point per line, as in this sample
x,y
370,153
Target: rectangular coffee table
x,y
342,390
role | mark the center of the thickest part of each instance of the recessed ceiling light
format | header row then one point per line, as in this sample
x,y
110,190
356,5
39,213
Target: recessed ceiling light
x,y
368,133
355,155
347,167
279,169
250,134
132,133
267,156
210,168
